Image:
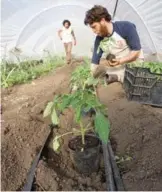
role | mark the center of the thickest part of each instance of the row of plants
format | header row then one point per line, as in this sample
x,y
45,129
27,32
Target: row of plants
x,y
154,67
82,100
22,72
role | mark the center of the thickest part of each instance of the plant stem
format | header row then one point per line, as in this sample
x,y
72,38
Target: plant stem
x,y
82,133
64,134
9,74
83,138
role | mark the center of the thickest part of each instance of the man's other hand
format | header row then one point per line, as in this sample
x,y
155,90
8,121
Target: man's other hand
x,y
93,68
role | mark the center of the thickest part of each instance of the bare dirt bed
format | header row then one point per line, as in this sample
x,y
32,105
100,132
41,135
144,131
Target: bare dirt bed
x,y
136,129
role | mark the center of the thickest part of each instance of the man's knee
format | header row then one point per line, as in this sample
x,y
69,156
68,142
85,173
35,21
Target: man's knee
x,y
118,73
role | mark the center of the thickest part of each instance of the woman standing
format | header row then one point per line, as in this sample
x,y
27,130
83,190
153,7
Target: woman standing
x,y
67,36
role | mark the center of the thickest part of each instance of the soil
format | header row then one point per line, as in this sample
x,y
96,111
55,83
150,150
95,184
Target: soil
x,y
76,143
135,128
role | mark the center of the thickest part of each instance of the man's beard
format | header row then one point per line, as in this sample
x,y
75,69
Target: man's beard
x,y
103,31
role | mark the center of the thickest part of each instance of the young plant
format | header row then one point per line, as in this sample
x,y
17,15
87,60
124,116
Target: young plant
x,y
154,67
82,131
82,100
82,77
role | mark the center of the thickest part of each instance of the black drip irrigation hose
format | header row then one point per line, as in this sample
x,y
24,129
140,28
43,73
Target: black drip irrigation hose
x,y
110,185
113,178
31,173
117,178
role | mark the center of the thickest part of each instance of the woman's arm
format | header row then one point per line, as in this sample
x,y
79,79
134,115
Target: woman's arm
x,y
73,37
59,34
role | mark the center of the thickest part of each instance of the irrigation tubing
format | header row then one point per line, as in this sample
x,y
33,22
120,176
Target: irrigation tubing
x,y
31,173
110,185
113,178
117,178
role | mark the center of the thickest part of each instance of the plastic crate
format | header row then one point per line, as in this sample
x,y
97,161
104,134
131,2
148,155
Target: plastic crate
x,y
143,86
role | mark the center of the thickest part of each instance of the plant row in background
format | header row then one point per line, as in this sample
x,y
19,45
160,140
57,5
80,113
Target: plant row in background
x,y
23,72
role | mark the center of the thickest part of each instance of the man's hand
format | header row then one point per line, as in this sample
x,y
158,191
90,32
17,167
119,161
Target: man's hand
x,y
93,68
114,62
132,56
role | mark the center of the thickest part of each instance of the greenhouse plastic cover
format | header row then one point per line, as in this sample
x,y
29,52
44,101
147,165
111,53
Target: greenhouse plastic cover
x,y
32,25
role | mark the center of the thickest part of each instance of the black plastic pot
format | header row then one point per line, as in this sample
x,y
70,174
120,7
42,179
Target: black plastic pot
x,y
88,160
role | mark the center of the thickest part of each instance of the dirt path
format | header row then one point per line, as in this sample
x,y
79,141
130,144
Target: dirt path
x,y
136,128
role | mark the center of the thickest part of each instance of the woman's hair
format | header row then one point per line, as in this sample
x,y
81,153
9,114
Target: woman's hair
x,y
66,21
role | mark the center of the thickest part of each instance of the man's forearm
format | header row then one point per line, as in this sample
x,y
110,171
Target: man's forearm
x,y
130,58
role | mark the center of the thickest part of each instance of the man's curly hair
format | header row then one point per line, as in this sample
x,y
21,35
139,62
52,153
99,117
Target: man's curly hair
x,y
95,14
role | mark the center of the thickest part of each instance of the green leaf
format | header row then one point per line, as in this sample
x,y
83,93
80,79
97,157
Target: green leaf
x,y
91,81
75,99
128,158
47,110
93,102
56,144
74,103
80,75
102,127
117,157
87,109
54,117
66,99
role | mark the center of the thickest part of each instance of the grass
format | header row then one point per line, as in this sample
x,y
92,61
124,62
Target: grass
x,y
23,72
